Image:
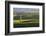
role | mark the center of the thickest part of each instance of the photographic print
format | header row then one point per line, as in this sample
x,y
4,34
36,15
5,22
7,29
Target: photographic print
x,y
24,17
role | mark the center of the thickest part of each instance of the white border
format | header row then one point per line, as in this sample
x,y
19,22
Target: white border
x,y
28,28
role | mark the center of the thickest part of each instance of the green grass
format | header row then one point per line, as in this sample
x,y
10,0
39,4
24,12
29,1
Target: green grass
x,y
27,20
26,25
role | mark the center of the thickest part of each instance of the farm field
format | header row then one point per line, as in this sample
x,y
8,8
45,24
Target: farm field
x,y
26,23
26,20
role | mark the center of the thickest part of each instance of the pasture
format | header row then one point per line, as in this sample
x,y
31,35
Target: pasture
x,y
26,20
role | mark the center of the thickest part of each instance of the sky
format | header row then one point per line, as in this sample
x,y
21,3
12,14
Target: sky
x,y
25,9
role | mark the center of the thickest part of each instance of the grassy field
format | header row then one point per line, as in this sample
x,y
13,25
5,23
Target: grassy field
x,y
26,20
26,23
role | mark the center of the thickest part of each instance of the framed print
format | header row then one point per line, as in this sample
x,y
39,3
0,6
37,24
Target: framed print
x,y
24,17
